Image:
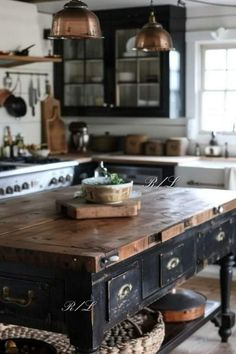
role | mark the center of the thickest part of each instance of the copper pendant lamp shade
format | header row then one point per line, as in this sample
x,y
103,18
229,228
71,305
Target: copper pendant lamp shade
x,y
153,37
75,21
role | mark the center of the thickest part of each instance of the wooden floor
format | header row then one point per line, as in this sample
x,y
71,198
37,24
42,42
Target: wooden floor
x,y
206,339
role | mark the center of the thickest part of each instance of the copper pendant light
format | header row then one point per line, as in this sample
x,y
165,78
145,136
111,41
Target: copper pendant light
x,y
153,37
75,21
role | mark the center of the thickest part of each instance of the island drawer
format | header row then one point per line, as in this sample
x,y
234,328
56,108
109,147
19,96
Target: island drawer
x,y
218,241
177,260
162,266
215,241
25,299
124,292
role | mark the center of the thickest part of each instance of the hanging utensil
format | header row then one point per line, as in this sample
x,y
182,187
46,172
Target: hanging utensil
x,y
47,87
31,96
35,95
7,81
17,85
38,87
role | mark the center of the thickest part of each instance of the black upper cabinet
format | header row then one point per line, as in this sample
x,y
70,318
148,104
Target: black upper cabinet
x,y
107,78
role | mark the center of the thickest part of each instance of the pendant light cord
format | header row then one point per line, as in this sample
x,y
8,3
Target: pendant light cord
x,y
182,3
152,6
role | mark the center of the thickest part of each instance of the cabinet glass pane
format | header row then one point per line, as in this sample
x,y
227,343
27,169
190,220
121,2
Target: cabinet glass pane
x,y
137,73
83,73
126,70
125,42
127,95
149,95
94,71
74,72
74,95
94,95
73,49
94,49
149,70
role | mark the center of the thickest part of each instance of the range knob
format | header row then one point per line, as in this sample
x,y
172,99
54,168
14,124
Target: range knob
x,y
53,181
62,179
17,188
25,185
2,191
9,190
68,178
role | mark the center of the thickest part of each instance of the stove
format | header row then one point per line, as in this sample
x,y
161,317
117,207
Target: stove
x,y
27,175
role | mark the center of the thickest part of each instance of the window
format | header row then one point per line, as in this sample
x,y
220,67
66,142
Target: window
x,y
218,88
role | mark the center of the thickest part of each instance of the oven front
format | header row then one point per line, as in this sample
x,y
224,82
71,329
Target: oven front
x,y
142,174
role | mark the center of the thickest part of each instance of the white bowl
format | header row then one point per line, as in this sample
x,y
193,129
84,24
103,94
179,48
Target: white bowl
x,y
97,191
42,152
96,79
126,76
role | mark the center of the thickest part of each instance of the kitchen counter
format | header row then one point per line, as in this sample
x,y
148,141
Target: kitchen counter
x,y
104,265
119,158
143,159
75,156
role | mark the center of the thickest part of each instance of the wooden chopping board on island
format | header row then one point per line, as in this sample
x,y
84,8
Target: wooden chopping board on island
x,y
80,209
53,127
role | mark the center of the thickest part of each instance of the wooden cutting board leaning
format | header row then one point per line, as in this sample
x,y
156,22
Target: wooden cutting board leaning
x,y
53,127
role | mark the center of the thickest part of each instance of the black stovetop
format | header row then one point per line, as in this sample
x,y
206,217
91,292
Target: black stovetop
x,y
33,160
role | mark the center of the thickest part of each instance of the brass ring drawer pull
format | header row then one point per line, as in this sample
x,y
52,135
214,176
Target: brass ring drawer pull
x,y
124,291
24,302
220,236
173,263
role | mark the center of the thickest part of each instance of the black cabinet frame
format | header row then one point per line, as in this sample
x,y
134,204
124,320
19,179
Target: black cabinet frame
x,y
173,20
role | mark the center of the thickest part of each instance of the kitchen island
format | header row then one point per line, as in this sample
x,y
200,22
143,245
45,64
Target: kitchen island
x,y
112,268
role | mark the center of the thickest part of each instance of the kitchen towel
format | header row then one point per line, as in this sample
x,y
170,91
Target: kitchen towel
x,y
230,178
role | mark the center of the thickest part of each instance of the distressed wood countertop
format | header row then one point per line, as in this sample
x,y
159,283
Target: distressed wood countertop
x,y
32,231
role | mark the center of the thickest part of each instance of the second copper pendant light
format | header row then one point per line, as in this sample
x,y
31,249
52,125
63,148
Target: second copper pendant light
x,y
153,37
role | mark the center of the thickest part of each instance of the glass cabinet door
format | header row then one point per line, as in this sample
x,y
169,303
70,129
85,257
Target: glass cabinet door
x,y
137,73
83,73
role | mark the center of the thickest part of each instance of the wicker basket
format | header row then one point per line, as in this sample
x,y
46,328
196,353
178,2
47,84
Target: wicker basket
x,y
147,327
147,331
105,193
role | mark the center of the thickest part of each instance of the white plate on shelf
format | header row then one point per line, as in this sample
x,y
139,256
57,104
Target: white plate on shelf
x,y
130,45
130,54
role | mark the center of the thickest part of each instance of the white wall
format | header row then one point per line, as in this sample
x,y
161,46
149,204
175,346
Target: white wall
x,y
20,26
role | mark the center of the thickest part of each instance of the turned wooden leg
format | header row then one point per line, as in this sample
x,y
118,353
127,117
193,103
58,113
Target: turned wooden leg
x,y
227,317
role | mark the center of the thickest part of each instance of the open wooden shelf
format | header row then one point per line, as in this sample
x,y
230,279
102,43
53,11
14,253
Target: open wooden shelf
x,y
176,333
8,61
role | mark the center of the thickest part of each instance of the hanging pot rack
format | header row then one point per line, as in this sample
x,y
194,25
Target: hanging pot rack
x,y
19,73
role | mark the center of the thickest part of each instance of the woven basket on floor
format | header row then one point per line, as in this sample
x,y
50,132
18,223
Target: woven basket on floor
x,y
147,327
141,334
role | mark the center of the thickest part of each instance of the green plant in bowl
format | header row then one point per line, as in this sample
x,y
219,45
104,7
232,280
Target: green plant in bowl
x,y
106,190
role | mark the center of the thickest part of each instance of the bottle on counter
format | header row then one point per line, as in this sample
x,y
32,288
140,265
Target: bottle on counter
x,y
20,144
7,142
226,152
213,149
14,148
100,171
197,150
